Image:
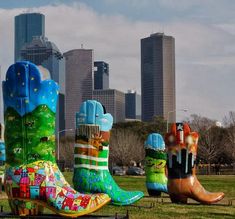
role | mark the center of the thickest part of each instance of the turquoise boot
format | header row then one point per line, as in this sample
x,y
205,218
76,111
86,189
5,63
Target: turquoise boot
x,y
91,173
2,156
2,145
155,165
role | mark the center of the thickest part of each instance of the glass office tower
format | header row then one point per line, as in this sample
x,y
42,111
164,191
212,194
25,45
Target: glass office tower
x,y
27,25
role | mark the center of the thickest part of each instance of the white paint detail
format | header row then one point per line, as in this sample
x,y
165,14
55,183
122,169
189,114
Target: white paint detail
x,y
88,166
105,148
99,159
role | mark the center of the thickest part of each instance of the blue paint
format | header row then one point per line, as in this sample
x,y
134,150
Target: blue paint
x,y
34,192
92,112
2,151
24,90
157,186
155,141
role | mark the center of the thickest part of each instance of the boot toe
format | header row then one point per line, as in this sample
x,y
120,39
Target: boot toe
x,y
130,198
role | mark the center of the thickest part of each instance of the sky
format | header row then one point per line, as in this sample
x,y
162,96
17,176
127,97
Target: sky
x,y
204,32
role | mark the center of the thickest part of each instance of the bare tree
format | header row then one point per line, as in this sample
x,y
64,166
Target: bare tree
x,y
67,150
229,122
126,146
211,138
210,145
199,123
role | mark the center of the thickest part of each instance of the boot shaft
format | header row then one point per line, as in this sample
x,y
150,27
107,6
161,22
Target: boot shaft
x,y
2,145
1,132
92,136
182,151
29,115
155,158
91,149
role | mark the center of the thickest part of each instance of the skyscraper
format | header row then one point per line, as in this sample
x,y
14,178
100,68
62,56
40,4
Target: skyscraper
x,y
26,26
44,53
158,76
133,105
101,75
113,101
79,82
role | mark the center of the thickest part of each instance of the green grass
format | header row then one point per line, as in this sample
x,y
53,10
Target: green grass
x,y
163,208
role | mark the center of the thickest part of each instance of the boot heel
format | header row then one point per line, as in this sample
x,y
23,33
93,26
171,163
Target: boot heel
x,y
25,208
179,199
153,192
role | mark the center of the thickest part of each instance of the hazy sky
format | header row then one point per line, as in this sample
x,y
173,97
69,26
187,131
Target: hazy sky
x,y
204,32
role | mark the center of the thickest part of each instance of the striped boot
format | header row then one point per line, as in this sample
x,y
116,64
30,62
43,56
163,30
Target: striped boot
x,y
33,180
91,173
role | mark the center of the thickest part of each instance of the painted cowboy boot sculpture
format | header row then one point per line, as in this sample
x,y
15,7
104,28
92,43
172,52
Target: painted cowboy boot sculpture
x,y
91,173
33,179
2,145
2,156
155,165
182,181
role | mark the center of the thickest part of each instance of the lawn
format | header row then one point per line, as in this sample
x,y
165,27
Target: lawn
x,y
162,207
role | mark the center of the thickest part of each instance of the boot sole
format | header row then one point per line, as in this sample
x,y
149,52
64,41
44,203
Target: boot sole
x,y
71,215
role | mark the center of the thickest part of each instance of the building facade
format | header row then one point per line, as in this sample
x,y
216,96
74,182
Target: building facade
x,y
158,77
132,105
113,101
101,75
27,25
79,82
44,53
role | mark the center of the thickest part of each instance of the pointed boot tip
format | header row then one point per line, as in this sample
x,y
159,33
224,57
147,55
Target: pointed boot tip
x,y
219,197
135,196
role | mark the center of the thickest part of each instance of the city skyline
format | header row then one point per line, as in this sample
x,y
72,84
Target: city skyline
x,y
204,49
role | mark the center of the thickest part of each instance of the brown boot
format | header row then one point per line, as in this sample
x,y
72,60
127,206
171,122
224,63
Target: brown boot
x,y
181,146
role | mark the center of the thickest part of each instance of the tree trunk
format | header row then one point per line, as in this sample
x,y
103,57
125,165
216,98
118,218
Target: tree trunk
x,y
209,168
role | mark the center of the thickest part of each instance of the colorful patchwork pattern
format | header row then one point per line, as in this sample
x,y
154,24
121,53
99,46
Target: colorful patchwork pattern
x,y
42,181
91,153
